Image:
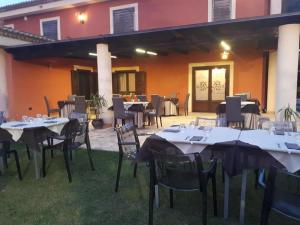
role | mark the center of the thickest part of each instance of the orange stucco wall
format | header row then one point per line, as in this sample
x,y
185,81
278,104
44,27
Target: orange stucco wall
x,y
29,83
152,14
168,74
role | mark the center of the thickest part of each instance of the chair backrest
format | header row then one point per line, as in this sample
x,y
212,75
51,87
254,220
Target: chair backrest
x,y
283,188
186,101
142,98
71,97
159,106
243,96
47,103
81,117
173,95
118,105
233,109
285,126
5,136
34,137
128,140
80,104
2,118
116,96
177,171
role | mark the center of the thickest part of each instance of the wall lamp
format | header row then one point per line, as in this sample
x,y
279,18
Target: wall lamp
x,y
225,46
82,17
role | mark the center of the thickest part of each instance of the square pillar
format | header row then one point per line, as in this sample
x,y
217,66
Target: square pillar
x,y
3,82
287,66
105,78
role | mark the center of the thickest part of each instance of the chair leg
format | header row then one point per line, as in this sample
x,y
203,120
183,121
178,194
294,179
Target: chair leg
x,y
17,163
214,191
135,170
256,172
71,155
52,154
160,121
171,199
204,204
149,121
119,172
151,201
28,152
89,151
156,121
44,162
66,158
123,121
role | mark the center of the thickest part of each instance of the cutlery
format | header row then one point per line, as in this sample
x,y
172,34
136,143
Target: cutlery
x,y
187,138
278,145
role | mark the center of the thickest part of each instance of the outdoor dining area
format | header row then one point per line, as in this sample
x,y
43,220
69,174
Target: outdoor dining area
x,y
238,165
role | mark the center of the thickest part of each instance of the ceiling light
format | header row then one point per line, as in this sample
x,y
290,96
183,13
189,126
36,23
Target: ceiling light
x,y
151,53
95,54
225,46
140,50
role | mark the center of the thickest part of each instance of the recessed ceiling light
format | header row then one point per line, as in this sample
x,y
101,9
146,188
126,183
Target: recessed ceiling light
x,y
151,53
140,50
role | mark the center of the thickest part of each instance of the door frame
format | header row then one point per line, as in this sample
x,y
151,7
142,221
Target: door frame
x,y
204,64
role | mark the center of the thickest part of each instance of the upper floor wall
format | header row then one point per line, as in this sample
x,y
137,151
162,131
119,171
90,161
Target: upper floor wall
x,y
109,16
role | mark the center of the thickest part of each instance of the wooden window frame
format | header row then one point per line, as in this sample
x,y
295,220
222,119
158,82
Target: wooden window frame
x,y
136,15
210,10
57,18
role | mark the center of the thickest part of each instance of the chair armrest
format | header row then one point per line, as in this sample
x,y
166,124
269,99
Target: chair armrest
x,y
212,167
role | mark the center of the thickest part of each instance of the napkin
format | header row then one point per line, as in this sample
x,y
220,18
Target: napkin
x,y
292,146
171,130
196,138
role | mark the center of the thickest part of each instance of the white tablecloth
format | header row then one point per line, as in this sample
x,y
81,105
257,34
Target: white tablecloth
x,y
67,109
243,103
138,116
273,144
17,131
170,108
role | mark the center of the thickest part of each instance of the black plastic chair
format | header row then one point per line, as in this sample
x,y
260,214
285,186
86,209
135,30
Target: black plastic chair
x,y
129,147
80,104
49,109
178,172
120,113
234,112
186,105
282,194
71,138
5,143
158,104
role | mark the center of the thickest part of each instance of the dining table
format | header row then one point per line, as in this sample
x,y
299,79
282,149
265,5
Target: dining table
x,y
18,128
280,150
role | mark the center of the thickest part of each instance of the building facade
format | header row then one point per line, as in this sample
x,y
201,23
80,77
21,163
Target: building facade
x,y
250,61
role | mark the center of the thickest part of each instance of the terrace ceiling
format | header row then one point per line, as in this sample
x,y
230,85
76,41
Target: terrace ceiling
x,y
259,32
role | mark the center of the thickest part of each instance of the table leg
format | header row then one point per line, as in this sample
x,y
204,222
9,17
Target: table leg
x,y
36,157
156,196
226,195
243,197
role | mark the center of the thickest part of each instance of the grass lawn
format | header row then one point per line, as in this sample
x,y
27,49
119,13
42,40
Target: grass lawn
x,y
91,199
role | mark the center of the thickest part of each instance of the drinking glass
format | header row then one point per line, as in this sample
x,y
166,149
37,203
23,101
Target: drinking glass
x,y
25,118
192,124
182,126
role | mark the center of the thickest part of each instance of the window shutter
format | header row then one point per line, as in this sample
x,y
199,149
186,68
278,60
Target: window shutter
x,y
222,10
50,29
115,87
140,83
123,20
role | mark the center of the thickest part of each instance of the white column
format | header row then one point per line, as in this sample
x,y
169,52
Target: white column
x,y
105,78
3,82
287,66
272,82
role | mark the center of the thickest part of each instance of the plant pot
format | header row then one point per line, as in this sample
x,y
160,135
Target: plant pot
x,y
98,123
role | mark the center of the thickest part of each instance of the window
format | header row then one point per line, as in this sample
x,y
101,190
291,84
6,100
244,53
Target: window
x,y
12,26
124,18
50,28
127,82
289,6
221,10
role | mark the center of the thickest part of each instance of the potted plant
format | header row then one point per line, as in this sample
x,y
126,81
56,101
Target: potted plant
x,y
289,115
98,102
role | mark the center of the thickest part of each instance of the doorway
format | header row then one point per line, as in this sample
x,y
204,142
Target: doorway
x,y
210,86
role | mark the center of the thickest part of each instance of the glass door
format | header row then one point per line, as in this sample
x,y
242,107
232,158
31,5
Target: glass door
x,y
210,87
